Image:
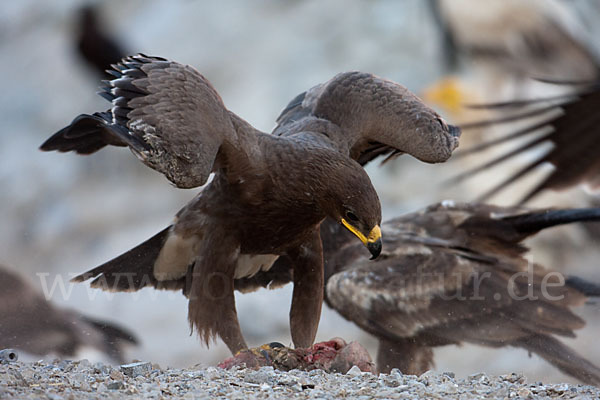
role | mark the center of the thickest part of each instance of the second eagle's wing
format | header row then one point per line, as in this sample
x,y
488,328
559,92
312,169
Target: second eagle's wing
x,y
418,289
168,114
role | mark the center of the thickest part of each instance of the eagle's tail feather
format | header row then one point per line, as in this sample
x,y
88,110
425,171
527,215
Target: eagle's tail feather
x,y
562,357
132,270
536,221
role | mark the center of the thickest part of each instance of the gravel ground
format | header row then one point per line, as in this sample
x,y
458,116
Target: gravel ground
x,y
82,379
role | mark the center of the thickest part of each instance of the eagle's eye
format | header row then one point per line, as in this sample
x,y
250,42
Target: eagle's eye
x,y
442,123
351,216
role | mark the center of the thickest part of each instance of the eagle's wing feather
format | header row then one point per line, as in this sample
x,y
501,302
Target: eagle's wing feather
x,y
409,291
168,114
374,116
573,134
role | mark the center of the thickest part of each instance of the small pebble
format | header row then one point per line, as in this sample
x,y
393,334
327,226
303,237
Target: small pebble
x,y
115,385
354,371
137,368
116,375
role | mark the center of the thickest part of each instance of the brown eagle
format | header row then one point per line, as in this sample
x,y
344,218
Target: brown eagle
x,y
30,323
269,193
454,273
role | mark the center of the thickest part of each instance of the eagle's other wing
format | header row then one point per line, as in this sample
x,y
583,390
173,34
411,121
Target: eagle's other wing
x,y
572,129
168,114
374,117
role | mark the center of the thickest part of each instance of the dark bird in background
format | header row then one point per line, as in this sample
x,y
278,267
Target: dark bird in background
x,y
30,323
570,123
269,193
450,274
94,44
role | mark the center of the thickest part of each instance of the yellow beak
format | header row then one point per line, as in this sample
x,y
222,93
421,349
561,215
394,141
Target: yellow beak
x,y
372,241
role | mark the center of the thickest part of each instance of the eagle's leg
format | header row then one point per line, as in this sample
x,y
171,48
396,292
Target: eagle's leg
x,y
408,356
211,309
307,298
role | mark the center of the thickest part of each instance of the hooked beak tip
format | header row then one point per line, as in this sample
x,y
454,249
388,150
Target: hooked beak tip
x,y
374,248
454,131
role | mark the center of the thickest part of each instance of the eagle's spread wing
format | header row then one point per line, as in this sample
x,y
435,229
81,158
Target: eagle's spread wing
x,y
372,117
168,114
571,127
456,273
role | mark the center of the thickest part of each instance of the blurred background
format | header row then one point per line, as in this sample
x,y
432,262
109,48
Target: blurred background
x,y
63,214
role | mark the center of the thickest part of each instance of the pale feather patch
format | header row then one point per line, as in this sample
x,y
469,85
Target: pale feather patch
x,y
410,249
458,217
448,203
139,125
174,258
249,264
